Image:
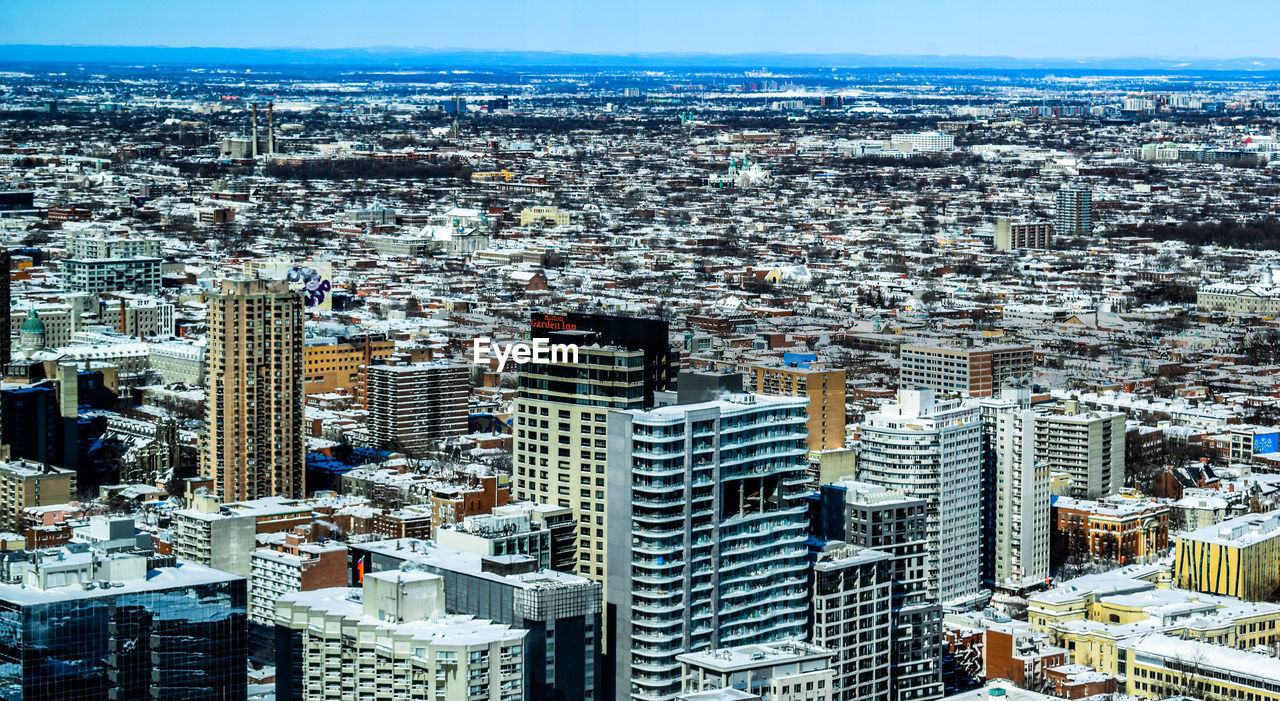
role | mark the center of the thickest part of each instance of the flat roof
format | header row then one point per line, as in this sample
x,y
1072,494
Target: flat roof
x,y
425,552
183,574
751,656
1238,532
449,629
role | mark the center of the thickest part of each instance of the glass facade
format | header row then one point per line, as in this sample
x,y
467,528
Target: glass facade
x,y
187,642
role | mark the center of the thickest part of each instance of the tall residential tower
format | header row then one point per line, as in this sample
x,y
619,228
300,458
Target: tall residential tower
x,y
412,407
1074,213
706,537
932,449
253,441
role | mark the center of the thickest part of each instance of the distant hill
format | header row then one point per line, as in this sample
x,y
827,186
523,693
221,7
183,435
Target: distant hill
x,y
477,58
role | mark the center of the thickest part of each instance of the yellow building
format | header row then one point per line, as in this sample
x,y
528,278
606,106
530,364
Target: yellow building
x,y
550,215
332,364
1262,297
824,389
25,483
1160,666
1071,600
1093,616
1239,557
1097,642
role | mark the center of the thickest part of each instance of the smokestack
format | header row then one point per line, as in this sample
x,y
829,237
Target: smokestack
x,y
271,128
255,130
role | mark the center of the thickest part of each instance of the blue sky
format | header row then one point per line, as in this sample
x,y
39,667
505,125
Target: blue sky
x,y
1020,28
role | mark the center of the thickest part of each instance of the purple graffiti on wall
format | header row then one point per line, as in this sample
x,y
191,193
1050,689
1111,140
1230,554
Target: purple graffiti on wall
x,y
313,284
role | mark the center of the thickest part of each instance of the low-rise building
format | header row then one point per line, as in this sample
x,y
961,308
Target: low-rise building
x,y
1239,557
224,535
1261,298
1020,654
1161,666
970,372
1091,616
509,530
138,274
294,565
1120,529
26,483
549,215
330,364
561,612
391,636
786,671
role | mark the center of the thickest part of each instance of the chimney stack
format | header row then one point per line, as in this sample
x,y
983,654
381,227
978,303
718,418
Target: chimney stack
x,y
271,128
255,130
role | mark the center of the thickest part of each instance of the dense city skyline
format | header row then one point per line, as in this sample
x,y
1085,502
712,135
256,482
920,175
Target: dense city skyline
x,y
637,361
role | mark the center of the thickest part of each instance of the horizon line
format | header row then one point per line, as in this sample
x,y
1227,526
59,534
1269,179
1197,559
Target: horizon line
x,y
660,53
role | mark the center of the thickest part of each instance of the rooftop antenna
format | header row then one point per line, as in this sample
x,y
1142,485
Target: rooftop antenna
x,y
457,110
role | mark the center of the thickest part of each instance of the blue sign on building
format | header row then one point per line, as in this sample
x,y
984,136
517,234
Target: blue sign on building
x,y
1266,443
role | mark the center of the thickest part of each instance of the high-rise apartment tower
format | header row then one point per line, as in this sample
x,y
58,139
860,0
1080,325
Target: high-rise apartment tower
x,y
253,441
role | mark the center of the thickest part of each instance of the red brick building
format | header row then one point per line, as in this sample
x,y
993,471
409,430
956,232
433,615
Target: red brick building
x,y
1020,655
1117,529
1077,681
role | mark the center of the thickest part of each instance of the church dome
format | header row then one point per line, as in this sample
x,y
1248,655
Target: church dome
x,y
33,324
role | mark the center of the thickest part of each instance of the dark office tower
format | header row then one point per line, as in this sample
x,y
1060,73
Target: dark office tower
x,y
31,422
1074,212
17,200
661,363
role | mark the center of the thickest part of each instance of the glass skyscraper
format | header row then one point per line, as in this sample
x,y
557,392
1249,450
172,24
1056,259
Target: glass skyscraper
x,y
175,633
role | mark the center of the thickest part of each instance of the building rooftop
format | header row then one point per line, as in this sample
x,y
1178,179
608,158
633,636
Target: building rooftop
x,y
1238,532
449,629
431,555
1207,656
751,656
729,404
183,574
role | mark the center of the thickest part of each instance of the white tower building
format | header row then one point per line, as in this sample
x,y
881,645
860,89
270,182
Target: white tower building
x,y
933,449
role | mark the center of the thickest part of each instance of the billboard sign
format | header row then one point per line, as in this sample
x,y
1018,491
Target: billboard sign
x,y
1266,443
